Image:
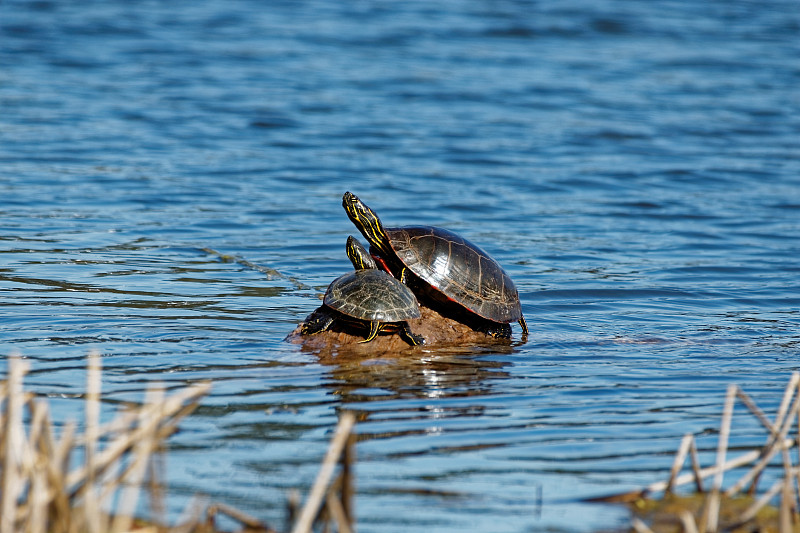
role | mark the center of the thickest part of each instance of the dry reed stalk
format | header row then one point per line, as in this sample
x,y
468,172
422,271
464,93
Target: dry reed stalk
x,y
776,444
95,522
348,485
236,514
640,527
709,471
336,510
797,438
58,467
155,487
680,459
787,415
108,486
292,506
39,493
13,443
759,504
688,522
785,512
753,408
39,420
791,387
787,496
39,500
698,479
172,407
191,515
133,476
713,501
318,490
122,422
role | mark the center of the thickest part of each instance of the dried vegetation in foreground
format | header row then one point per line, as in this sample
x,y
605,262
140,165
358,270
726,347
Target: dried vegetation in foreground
x,y
92,482
741,507
44,488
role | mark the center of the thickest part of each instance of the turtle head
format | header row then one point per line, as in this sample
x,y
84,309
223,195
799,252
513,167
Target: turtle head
x,y
367,222
359,255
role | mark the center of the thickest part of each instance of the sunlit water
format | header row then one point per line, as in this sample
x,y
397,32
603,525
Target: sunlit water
x,y
635,166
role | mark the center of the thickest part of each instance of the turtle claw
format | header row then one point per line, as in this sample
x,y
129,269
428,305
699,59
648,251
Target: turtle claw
x,y
409,336
498,331
414,340
523,325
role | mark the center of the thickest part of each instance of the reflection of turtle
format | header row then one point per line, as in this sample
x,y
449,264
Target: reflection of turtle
x,y
367,297
457,269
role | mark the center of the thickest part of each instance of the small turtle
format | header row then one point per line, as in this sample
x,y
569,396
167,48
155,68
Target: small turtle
x,y
367,297
456,270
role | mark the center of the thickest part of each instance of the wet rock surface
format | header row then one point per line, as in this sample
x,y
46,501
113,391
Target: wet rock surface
x,y
438,331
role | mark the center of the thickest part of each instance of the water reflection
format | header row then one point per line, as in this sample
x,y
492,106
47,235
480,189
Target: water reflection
x,y
426,395
445,373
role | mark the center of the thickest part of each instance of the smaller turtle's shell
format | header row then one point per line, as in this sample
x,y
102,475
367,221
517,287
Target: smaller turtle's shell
x,y
372,295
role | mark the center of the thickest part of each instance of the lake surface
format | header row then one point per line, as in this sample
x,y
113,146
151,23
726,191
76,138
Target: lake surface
x,y
170,195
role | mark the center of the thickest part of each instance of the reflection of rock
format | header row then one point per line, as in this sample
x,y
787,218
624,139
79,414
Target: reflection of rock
x,y
437,330
441,373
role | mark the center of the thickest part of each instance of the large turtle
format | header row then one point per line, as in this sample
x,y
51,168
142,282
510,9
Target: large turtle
x,y
367,297
453,267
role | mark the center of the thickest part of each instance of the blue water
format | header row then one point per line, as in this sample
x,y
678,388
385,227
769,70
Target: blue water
x,y
635,166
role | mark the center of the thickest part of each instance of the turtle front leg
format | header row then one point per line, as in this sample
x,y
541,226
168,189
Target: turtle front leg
x,y
317,322
409,336
374,328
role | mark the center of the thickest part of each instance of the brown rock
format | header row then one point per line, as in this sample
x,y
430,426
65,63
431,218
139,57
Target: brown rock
x,y
438,331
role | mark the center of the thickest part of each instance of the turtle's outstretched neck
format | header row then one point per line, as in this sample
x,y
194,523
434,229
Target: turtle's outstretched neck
x,y
367,222
358,255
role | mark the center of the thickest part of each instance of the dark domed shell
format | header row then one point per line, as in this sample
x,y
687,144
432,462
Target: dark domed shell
x,y
458,269
372,295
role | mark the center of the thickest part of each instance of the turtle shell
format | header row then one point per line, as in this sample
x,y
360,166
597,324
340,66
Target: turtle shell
x,y
372,295
458,269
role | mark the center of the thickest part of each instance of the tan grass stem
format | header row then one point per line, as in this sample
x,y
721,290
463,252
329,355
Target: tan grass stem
x,y
309,511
